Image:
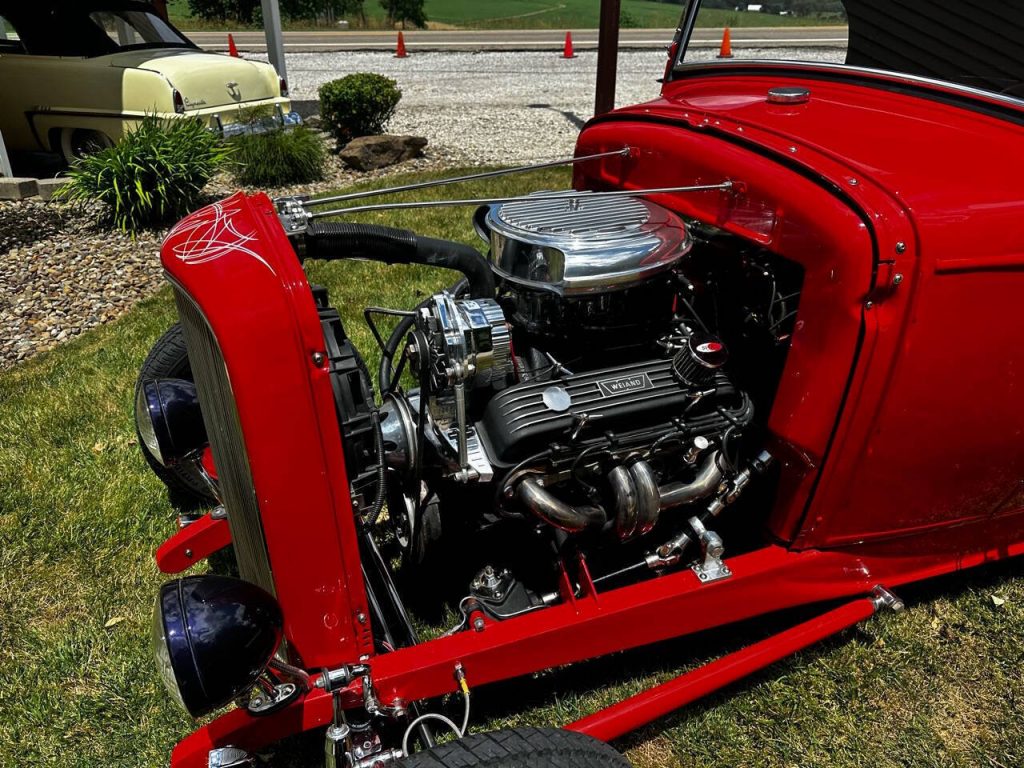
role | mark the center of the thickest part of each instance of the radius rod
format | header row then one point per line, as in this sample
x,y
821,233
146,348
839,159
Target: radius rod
x,y
636,711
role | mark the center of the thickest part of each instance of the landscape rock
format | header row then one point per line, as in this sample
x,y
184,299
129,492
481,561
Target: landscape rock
x,y
368,153
17,187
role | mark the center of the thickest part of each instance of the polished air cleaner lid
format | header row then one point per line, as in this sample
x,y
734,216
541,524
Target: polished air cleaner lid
x,y
582,242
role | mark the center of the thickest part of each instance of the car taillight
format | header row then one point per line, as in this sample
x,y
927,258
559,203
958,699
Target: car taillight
x,y
179,102
284,87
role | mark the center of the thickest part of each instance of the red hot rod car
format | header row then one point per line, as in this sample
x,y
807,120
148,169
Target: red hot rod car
x,y
764,354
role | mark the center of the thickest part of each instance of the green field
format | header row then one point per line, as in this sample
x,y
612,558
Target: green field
x,y
80,515
541,14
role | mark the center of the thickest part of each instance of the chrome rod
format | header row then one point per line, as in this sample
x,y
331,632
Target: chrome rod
x,y
624,152
725,186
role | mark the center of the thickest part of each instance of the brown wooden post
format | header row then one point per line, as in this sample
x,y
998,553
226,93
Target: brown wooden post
x,y
607,56
160,6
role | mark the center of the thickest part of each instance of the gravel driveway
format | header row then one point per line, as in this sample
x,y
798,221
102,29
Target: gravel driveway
x,y
491,107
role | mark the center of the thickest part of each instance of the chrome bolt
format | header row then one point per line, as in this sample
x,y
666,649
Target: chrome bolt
x,y
897,279
869,304
901,247
478,624
361,617
318,359
188,553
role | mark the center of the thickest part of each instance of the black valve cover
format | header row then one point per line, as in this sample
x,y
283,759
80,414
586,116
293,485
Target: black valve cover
x,y
526,418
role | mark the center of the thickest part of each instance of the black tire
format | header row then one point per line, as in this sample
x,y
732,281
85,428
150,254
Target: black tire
x,y
168,359
520,748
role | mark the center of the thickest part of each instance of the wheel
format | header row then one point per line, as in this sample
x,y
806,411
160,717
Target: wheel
x,y
79,142
168,359
520,748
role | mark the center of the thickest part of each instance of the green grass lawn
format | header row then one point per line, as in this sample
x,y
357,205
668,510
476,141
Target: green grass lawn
x,y
539,14
80,514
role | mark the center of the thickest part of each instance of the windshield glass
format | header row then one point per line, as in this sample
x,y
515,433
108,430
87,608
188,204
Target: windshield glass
x,y
132,29
974,44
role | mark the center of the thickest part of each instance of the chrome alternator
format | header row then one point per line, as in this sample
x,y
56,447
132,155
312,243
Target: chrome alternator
x,y
469,339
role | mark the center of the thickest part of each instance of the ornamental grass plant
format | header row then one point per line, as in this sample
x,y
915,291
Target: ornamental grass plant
x,y
154,176
276,158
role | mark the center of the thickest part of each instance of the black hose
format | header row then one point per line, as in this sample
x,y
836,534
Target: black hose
x,y
332,240
378,502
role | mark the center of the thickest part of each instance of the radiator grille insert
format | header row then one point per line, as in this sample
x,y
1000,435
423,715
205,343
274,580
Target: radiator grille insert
x,y
220,414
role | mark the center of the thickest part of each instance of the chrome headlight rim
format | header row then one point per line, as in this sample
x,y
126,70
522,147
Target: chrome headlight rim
x,y
169,419
161,642
145,423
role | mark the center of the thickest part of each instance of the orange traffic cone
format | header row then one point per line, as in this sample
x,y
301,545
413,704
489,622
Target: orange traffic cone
x,y
232,48
400,52
567,52
725,52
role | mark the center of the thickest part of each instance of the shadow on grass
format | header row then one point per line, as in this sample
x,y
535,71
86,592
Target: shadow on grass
x,y
632,671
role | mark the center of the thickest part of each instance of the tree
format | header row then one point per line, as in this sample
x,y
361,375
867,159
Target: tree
x,y
250,11
403,11
242,11
325,10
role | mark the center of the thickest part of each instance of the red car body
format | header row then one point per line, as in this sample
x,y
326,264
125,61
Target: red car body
x,y
897,422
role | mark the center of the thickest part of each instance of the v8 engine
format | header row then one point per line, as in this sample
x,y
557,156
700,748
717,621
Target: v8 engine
x,y
570,383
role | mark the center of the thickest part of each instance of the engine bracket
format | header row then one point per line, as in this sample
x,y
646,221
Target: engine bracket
x,y
712,567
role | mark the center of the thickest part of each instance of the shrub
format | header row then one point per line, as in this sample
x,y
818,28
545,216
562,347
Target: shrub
x,y
293,156
628,21
358,105
153,176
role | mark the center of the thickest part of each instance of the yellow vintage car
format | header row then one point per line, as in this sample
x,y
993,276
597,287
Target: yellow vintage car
x,y
76,75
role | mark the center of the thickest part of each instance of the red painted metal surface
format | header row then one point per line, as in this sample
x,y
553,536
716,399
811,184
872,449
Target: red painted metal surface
x,y
629,714
895,421
765,581
938,185
234,260
193,543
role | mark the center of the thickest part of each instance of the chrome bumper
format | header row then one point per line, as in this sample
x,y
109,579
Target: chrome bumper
x,y
277,122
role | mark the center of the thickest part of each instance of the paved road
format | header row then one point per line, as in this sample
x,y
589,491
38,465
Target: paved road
x,y
522,40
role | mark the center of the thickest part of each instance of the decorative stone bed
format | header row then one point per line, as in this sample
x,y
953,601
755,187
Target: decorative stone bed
x,y
61,273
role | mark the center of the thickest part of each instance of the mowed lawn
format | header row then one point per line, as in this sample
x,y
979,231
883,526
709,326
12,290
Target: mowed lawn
x,y
540,14
80,514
